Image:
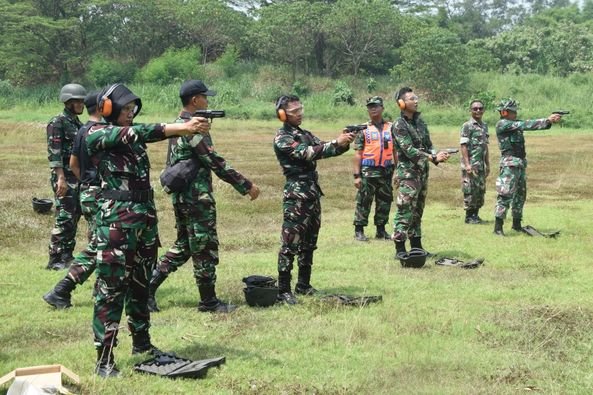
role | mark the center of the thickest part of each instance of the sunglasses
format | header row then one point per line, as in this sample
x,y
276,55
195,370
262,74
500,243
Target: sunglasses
x,y
477,108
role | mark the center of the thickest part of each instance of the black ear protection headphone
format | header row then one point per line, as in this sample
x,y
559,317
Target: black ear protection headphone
x,y
105,105
280,113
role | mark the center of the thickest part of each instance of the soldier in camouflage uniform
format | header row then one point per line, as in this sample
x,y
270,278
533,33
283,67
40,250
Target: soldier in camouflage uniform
x,y
90,186
297,151
511,183
475,162
61,131
373,170
414,152
195,207
127,233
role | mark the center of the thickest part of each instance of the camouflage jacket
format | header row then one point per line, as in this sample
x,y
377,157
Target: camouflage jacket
x,y
475,136
297,151
61,131
413,145
511,141
119,154
201,149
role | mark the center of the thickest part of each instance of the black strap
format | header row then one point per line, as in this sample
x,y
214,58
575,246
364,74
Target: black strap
x,y
138,196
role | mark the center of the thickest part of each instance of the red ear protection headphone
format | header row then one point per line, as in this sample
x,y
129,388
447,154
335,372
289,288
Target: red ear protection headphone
x,y
105,105
280,113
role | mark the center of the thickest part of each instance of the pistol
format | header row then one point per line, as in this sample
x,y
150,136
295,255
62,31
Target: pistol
x,y
561,112
210,114
451,150
356,128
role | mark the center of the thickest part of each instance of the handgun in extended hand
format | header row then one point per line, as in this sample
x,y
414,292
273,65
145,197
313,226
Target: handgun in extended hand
x,y
210,114
356,128
561,112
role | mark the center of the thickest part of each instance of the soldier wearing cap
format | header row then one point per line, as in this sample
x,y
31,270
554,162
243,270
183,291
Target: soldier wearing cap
x,y
61,131
511,183
373,164
195,207
127,232
90,186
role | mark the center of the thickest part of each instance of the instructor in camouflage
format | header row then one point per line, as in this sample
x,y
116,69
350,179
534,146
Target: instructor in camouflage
x,y
414,152
297,151
374,160
511,184
475,162
61,131
127,233
195,207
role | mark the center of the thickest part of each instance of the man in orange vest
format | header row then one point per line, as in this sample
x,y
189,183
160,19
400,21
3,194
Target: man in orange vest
x,y
374,161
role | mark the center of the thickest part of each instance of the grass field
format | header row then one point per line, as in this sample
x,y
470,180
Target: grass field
x,y
522,322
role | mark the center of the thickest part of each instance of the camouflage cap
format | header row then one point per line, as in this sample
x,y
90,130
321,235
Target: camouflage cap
x,y
508,104
375,100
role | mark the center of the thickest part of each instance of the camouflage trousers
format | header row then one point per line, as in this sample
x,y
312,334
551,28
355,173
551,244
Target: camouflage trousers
x,y
379,189
84,262
411,198
300,230
63,233
125,260
511,186
196,239
473,187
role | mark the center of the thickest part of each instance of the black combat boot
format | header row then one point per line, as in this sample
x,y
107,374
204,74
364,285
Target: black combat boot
x,y
105,363
359,233
285,294
210,303
498,226
60,296
468,215
303,285
381,233
416,242
477,217
517,224
157,279
67,258
471,217
400,248
55,263
141,344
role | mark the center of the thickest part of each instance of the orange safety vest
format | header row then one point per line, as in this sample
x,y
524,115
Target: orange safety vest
x,y
378,146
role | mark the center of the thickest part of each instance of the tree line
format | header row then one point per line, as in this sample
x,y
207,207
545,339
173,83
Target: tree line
x,y
433,44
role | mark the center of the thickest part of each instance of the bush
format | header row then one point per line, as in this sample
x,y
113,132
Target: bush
x,y
173,66
229,61
343,94
108,71
300,88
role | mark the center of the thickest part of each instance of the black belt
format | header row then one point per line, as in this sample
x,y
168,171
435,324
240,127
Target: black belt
x,y
305,176
138,196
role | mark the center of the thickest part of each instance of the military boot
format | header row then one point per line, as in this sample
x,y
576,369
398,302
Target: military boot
x,y
210,303
157,279
400,248
471,217
141,344
416,242
498,223
60,297
55,263
517,224
285,294
381,233
67,258
106,363
477,217
359,233
303,285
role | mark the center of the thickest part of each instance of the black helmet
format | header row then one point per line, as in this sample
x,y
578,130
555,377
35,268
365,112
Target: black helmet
x,y
42,205
260,291
416,258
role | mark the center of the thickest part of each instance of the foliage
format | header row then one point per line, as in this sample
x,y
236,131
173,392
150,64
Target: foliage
x,y
173,65
343,94
300,88
229,60
103,71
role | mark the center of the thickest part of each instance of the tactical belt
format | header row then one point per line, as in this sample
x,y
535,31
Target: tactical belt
x,y
305,176
137,196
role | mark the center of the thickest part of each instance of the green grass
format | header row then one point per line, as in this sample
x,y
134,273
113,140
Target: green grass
x,y
521,322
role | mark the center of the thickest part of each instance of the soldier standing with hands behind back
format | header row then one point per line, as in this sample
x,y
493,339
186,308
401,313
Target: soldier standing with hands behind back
x,y
373,170
475,162
297,151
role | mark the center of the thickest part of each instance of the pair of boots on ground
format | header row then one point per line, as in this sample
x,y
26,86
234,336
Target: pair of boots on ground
x,y
106,367
381,233
60,261
471,217
499,222
415,242
208,303
303,285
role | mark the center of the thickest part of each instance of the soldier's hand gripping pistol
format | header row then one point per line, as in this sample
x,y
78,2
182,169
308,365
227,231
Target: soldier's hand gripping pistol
x,y
210,114
355,128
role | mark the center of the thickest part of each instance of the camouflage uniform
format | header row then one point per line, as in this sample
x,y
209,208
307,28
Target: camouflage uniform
x,y
297,151
61,132
127,233
413,145
195,208
475,136
511,183
375,184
